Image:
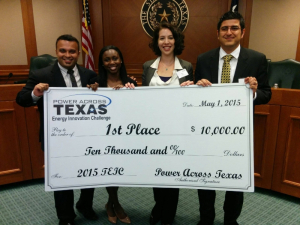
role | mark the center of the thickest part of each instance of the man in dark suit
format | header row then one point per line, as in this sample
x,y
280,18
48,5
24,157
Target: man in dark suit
x,y
228,64
64,73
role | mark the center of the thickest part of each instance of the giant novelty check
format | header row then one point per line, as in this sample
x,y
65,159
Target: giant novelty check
x,y
181,137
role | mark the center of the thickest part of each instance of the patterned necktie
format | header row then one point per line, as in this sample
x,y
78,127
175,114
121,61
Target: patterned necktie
x,y
225,77
74,83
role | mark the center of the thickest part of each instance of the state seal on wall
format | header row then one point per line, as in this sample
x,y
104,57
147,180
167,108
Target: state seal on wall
x,y
153,12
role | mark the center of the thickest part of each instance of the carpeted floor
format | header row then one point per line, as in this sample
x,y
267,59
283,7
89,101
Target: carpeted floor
x,y
27,203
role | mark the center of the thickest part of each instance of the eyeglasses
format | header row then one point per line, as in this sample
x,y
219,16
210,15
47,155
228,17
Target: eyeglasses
x,y
233,28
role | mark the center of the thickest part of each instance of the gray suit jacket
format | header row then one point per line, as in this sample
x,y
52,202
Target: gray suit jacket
x,y
148,71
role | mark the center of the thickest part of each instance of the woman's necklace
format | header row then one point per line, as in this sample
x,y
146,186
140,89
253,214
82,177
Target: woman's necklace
x,y
169,65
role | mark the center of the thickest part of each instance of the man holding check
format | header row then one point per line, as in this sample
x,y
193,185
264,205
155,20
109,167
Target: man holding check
x,y
64,73
228,64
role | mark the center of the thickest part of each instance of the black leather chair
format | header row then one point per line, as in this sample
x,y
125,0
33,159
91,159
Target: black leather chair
x,y
285,73
41,61
268,60
38,62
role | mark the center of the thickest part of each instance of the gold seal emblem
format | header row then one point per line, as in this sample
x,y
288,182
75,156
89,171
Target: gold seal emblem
x,y
153,12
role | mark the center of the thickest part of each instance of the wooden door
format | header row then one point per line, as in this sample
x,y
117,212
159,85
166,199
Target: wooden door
x,y
266,120
14,150
36,153
286,173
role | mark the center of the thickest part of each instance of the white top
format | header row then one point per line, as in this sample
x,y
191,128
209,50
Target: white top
x,y
233,62
67,79
174,80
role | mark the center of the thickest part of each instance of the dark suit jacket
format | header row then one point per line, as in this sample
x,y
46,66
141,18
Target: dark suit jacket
x,y
52,76
148,71
250,63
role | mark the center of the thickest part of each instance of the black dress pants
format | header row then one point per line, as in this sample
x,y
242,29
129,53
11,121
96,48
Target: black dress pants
x,y
64,203
232,206
166,200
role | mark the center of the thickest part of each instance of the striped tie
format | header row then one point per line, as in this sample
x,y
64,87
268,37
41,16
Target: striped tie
x,y
225,77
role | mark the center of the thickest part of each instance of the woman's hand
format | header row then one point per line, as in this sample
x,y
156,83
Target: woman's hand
x,y
187,83
117,87
94,86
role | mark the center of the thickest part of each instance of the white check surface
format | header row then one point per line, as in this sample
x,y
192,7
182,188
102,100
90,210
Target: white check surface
x,y
184,137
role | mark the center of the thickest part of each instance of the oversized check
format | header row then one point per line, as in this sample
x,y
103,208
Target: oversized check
x,y
181,137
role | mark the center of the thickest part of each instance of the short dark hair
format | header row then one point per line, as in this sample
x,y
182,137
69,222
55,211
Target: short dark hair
x,y
177,34
103,73
231,16
67,37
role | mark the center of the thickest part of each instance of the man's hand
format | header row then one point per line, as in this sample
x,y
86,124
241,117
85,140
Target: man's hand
x,y
187,83
253,84
203,83
39,89
94,86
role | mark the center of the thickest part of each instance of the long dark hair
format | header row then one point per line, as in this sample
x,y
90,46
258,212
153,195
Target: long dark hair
x,y
103,73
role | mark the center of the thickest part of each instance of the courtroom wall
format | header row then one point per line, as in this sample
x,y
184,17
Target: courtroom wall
x,y
30,28
275,28
12,47
52,19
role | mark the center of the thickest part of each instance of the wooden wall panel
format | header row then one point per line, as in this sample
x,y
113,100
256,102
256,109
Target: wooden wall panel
x,y
36,153
29,30
298,47
21,71
118,22
14,150
266,120
286,178
122,27
201,32
245,8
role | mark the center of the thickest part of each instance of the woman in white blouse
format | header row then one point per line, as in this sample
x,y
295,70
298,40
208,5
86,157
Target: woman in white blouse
x,y
166,70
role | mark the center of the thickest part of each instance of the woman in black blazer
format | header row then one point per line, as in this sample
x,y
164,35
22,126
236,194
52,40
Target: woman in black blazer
x,y
166,70
112,73
112,70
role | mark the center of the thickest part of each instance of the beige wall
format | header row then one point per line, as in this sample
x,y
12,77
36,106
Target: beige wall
x,y
275,28
12,40
52,19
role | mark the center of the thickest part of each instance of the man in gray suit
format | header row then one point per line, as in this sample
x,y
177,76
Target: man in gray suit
x,y
228,64
64,73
